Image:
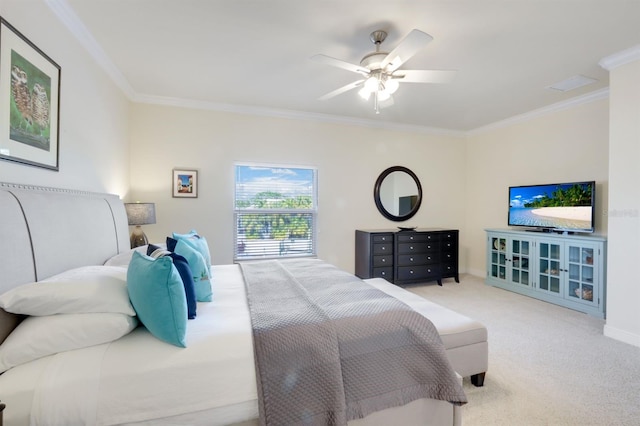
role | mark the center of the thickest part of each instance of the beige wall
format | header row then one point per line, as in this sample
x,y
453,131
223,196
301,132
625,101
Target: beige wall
x,y
349,158
565,146
623,291
464,179
94,146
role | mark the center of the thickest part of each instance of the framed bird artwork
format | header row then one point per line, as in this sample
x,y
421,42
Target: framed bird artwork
x,y
29,101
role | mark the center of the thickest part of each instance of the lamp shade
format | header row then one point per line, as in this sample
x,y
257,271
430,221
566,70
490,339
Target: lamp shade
x,y
141,213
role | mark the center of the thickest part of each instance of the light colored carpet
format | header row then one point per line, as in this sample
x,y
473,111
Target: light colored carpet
x,y
548,365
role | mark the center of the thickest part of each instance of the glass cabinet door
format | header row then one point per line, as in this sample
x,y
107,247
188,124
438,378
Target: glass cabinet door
x,y
520,254
498,258
549,268
581,267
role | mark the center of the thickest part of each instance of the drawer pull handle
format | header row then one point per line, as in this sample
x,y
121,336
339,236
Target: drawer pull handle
x,y
411,259
411,248
384,260
428,257
384,248
383,273
411,272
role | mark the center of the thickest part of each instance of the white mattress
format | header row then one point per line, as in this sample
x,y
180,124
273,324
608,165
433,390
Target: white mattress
x,y
138,365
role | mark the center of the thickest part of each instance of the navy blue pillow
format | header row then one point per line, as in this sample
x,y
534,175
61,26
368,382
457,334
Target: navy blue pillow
x,y
184,270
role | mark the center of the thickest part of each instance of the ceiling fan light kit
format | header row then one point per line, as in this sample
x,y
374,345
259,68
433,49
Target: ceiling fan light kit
x,y
381,72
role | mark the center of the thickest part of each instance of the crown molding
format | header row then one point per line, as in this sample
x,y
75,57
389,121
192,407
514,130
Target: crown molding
x,y
550,109
68,17
621,58
294,115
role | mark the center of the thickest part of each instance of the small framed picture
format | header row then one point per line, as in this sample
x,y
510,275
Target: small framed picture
x,y
185,183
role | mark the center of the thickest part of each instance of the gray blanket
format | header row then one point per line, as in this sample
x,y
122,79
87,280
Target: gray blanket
x,y
330,348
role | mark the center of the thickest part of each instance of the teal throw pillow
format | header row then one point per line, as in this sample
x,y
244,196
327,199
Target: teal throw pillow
x,y
201,277
199,243
157,294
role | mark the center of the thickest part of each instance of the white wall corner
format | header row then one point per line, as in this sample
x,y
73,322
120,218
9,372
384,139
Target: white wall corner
x,y
621,58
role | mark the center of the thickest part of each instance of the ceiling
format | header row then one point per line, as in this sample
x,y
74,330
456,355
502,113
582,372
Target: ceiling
x,y
255,55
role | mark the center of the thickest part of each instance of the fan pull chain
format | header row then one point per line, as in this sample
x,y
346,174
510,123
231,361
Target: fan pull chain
x,y
375,102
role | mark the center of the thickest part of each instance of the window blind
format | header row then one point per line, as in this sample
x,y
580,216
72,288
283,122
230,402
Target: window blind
x,y
275,211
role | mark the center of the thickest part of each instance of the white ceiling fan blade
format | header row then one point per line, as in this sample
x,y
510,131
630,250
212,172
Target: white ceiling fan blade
x,y
341,90
425,76
408,47
328,60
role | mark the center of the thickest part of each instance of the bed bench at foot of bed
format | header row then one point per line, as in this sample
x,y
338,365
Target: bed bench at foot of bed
x,y
464,338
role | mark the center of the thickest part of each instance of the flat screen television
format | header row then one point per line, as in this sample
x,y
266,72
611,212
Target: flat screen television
x,y
557,207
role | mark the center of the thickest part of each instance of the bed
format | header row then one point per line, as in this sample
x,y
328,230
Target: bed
x,y
135,378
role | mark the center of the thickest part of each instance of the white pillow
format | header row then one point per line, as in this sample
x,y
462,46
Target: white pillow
x,y
124,258
81,290
37,337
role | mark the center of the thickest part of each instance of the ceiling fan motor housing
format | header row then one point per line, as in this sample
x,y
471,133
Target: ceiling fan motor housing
x,y
373,61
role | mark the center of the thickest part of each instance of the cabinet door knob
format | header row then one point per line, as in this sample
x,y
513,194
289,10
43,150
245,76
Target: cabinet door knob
x,y
411,272
384,260
411,259
411,248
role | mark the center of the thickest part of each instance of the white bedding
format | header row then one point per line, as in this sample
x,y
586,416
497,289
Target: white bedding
x,y
129,381
110,396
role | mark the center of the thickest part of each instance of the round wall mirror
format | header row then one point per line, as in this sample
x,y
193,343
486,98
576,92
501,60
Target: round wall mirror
x,y
397,193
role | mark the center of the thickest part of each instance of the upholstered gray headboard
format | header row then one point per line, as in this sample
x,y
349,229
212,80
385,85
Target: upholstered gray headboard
x,y
45,231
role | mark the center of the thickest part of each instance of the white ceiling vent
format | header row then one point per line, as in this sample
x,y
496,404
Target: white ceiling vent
x,y
572,83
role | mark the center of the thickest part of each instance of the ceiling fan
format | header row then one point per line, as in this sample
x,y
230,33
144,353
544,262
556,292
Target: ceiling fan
x,y
380,71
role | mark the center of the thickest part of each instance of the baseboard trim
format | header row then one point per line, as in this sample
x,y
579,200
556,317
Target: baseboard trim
x,y
481,273
621,335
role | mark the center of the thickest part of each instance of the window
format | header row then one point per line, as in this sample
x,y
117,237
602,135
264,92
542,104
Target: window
x,y
275,211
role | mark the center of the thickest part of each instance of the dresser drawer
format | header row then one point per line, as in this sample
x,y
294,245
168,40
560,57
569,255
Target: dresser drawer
x,y
450,245
381,261
386,273
448,256
406,273
449,269
448,236
382,238
382,249
409,248
415,237
418,259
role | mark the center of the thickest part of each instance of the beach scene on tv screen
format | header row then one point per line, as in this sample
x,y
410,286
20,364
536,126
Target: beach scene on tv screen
x,y
553,206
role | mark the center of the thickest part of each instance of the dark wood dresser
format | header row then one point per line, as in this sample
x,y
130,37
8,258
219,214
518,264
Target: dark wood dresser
x,y
405,257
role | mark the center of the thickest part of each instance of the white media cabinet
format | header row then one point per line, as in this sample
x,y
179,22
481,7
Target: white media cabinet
x,y
565,269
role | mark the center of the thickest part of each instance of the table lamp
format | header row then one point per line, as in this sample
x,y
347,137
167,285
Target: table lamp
x,y
140,214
